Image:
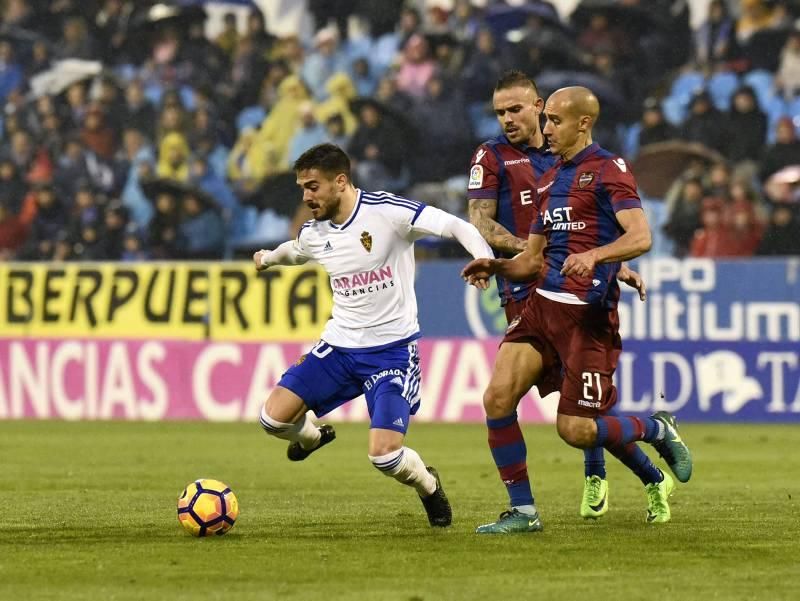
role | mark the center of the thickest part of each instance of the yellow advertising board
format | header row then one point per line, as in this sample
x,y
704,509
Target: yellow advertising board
x,y
186,301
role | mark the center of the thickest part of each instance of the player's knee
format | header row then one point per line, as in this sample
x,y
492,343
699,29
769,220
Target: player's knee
x,y
387,463
497,402
574,431
272,426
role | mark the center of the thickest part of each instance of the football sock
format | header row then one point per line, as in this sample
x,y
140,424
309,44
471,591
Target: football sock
x,y
617,431
638,462
406,466
594,462
303,430
510,456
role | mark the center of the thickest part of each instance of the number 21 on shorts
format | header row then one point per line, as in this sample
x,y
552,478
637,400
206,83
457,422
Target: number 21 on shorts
x,y
592,391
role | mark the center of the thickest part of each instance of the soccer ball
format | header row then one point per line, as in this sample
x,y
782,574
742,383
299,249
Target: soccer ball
x,y
207,507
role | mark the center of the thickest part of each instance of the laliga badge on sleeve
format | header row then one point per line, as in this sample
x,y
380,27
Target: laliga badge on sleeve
x,y
475,177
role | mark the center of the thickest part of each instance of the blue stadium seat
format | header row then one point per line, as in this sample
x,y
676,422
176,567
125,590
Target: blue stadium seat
x,y
721,86
675,109
687,84
630,140
761,81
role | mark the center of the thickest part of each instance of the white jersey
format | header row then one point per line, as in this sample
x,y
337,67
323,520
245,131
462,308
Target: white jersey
x,y
370,260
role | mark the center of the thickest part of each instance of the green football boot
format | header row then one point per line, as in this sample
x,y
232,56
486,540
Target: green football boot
x,y
672,448
595,498
512,522
657,500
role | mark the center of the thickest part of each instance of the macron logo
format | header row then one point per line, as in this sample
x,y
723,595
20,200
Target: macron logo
x,y
544,189
481,153
621,164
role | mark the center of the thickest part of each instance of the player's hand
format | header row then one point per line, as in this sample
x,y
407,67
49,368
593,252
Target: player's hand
x,y
478,271
581,264
632,279
257,259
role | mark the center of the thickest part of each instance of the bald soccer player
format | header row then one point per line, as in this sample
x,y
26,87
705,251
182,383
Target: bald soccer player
x,y
587,220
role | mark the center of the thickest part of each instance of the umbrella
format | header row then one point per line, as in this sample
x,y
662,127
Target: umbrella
x,y
159,15
278,192
501,18
612,101
633,18
63,74
153,187
659,165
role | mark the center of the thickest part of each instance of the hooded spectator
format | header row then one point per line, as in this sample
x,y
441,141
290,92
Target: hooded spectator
x,y
748,125
784,152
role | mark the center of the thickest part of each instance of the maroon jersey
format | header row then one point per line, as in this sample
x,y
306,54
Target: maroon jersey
x,y
576,206
507,174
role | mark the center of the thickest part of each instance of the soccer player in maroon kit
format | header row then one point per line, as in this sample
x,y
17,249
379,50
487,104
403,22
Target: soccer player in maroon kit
x,y
588,219
503,179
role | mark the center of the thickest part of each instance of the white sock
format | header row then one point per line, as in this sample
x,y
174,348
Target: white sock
x,y
526,509
406,466
303,430
662,430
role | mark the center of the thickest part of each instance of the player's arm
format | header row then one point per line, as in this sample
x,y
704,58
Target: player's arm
x,y
482,213
288,253
634,242
522,268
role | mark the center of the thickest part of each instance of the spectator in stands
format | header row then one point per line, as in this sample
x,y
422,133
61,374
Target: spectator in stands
x,y
684,216
334,131
749,126
173,157
378,151
11,75
600,33
654,127
787,78
12,231
416,66
201,231
12,189
164,242
341,92
310,133
49,221
785,151
75,41
719,180
112,231
714,239
755,16
133,245
326,59
781,236
228,39
448,138
482,68
97,136
139,113
363,78
391,97
715,40
705,123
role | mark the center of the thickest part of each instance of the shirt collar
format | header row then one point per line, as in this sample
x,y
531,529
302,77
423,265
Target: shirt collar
x,y
584,154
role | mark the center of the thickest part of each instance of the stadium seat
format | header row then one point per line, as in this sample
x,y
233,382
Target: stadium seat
x,y
675,109
630,140
721,86
483,121
687,84
762,83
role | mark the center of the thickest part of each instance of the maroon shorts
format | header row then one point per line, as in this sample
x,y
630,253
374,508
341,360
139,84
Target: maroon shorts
x,y
586,340
551,378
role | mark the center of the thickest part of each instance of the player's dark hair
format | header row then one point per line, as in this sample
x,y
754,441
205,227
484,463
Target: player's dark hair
x,y
515,78
328,158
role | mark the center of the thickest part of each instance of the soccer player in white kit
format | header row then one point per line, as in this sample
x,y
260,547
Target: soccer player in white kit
x,y
365,241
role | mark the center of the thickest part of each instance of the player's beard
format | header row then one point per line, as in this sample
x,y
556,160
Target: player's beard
x,y
327,209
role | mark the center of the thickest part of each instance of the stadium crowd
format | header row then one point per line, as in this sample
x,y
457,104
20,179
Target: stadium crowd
x,y
128,134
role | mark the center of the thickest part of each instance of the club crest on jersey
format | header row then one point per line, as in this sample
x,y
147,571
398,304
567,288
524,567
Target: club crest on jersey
x,y
366,240
585,179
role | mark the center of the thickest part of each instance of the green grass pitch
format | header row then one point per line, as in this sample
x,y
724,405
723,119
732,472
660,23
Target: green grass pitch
x,y
88,512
